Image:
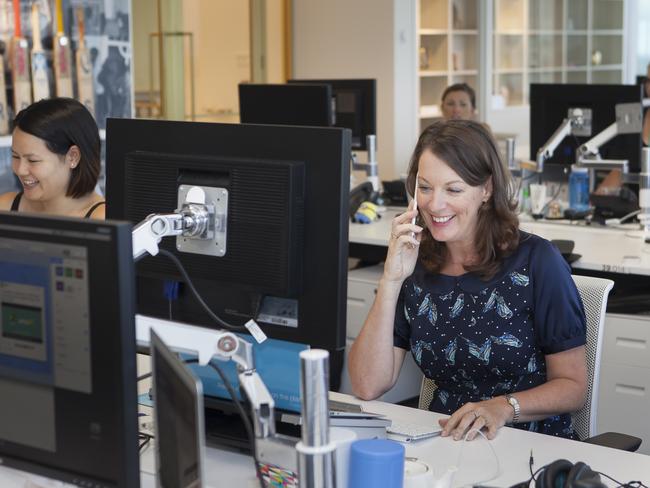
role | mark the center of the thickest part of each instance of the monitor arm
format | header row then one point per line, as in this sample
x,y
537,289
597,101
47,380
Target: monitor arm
x,y
371,167
225,346
629,120
578,122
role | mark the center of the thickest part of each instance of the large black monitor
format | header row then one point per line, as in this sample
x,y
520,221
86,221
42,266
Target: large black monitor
x,y
549,104
299,104
287,222
355,107
67,350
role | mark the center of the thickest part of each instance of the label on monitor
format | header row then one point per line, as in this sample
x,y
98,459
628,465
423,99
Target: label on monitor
x,y
255,331
279,311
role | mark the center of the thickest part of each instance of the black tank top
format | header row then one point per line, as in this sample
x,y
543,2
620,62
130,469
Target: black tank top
x,y
16,203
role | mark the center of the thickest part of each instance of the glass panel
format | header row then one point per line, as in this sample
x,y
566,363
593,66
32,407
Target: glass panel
x,y
433,14
465,14
577,11
431,88
433,52
511,51
508,89
613,77
545,14
607,50
576,50
576,77
464,52
608,14
509,15
471,80
545,77
545,51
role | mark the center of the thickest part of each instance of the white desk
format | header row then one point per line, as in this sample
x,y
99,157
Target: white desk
x,y
512,446
602,249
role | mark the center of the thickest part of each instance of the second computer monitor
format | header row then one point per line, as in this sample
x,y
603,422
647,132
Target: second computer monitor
x,y
67,350
280,104
355,102
549,104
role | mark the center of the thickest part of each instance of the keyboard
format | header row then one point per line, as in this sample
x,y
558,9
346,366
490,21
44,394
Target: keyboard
x,y
407,432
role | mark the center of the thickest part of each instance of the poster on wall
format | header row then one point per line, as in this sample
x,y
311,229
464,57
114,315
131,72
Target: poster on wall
x,y
101,30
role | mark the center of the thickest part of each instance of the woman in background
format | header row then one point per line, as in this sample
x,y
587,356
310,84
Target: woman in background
x,y
55,152
458,102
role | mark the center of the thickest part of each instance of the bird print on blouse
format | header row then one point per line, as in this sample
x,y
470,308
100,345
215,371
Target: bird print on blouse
x,y
478,344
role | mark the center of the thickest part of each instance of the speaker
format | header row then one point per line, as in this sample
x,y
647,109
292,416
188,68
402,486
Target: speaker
x,y
565,474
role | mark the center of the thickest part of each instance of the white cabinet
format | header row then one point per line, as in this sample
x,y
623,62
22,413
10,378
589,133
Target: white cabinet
x,y
362,287
624,396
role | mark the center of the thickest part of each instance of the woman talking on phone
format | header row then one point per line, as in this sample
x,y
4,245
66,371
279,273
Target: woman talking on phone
x,y
55,153
489,312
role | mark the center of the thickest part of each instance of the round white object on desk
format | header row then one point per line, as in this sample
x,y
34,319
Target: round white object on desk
x,y
417,474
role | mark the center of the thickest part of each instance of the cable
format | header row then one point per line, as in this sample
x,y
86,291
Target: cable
x,y
196,294
629,483
244,417
460,453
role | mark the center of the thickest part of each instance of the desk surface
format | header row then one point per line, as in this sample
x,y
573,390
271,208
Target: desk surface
x,y
474,459
602,249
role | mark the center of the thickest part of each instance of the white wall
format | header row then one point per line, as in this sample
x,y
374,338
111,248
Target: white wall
x,y
364,39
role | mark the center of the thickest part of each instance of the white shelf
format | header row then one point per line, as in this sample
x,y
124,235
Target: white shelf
x,y
430,111
433,32
432,73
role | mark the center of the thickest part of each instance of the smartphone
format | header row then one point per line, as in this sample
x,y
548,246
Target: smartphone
x,y
415,202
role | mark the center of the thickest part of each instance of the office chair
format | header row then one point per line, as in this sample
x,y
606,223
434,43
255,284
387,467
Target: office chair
x,y
594,293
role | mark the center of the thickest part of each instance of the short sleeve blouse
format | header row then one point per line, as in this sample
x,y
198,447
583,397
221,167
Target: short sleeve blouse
x,y
480,339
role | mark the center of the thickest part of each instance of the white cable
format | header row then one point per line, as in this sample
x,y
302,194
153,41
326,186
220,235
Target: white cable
x,y
496,458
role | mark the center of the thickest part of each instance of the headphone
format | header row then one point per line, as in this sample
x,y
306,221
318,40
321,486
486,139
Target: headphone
x,y
565,474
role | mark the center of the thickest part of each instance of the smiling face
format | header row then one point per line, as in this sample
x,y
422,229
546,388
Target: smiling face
x,y
448,205
43,174
457,105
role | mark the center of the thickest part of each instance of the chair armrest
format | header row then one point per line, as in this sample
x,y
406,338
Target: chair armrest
x,y
616,440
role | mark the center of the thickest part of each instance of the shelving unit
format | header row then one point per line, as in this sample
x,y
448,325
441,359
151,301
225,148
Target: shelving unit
x,y
555,41
448,51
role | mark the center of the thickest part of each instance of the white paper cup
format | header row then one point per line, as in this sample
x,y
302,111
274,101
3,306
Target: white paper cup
x,y
342,438
537,198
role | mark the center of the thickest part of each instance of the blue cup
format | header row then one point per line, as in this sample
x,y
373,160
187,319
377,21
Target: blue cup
x,y
376,463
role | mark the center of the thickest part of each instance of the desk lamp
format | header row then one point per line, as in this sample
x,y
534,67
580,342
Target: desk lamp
x,y
200,225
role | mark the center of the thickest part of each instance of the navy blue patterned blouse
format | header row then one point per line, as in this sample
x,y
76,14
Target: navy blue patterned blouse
x,y
480,339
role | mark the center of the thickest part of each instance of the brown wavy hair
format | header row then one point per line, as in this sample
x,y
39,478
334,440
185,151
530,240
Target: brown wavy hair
x,y
469,149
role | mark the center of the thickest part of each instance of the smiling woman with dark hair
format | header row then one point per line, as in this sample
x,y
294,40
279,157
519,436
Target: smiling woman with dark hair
x,y
55,153
490,313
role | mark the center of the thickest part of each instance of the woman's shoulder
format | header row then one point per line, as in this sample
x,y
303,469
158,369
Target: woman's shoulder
x,y
6,200
97,208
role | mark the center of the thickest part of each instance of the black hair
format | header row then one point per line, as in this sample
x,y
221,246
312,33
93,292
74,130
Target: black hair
x,y
62,123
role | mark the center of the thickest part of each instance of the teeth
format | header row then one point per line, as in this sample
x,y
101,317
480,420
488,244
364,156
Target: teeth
x,y
442,220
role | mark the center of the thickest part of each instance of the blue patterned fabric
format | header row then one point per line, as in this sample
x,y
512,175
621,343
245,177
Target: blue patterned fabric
x,y
480,339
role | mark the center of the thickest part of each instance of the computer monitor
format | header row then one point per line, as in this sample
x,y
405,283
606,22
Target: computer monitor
x,y
299,104
67,350
549,104
287,224
355,107
178,411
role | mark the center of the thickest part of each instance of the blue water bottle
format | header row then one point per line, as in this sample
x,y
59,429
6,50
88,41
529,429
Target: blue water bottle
x,y
579,188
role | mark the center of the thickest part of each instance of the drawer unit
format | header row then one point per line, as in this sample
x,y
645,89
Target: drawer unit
x,y
624,387
362,288
626,340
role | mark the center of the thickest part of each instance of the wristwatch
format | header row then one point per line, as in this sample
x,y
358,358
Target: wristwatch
x,y
514,403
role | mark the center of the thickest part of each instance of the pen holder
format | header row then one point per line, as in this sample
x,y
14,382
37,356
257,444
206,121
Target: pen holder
x,y
376,463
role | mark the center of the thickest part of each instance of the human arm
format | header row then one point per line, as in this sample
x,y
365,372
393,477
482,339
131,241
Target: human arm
x,y
374,362
563,391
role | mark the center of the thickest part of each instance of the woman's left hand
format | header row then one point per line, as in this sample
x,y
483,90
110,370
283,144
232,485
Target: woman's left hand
x,y
490,415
